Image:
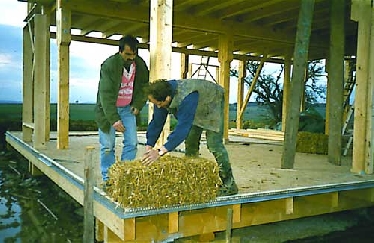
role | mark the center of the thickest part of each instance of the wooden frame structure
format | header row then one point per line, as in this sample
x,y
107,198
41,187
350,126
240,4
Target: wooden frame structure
x,y
289,32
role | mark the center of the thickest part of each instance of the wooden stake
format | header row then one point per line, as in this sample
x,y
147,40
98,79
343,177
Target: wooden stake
x,y
89,181
229,225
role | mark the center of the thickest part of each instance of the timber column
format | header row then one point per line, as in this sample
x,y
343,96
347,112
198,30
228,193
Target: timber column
x,y
160,48
362,13
63,38
225,56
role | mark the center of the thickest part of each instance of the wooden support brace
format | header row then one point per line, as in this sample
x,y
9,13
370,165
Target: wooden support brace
x,y
28,125
289,205
236,217
129,229
173,222
34,171
99,230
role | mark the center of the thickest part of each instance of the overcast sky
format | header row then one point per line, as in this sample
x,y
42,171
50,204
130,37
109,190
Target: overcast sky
x,y
85,60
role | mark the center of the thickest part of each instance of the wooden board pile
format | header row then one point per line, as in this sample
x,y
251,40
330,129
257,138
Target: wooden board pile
x,y
170,181
313,143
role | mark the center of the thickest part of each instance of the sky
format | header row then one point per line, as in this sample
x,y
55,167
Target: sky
x,y
85,61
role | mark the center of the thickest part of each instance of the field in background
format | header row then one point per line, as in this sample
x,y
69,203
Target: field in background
x,y
82,116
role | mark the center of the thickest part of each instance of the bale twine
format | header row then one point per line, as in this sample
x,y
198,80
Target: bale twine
x,y
169,181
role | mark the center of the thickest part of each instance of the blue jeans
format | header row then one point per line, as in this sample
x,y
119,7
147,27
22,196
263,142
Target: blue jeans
x,y
108,141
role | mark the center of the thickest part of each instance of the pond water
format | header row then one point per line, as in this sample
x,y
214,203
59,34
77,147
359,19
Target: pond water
x,y
35,209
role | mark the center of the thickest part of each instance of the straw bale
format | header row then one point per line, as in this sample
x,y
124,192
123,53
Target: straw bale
x,y
314,143
169,181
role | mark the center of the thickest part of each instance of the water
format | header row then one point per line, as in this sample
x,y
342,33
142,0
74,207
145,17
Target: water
x,y
34,209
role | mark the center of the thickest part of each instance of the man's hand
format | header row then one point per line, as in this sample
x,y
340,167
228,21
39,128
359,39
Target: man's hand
x,y
118,126
150,156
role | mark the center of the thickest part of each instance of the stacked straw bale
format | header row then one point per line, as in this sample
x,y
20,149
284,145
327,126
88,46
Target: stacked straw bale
x,y
313,143
170,181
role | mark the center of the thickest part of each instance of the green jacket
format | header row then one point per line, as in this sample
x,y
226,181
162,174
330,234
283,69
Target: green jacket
x,y
209,111
110,80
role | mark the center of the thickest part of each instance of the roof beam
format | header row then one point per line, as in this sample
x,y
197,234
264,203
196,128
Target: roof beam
x,y
181,20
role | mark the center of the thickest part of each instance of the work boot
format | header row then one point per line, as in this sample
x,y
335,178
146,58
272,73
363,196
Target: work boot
x,y
228,188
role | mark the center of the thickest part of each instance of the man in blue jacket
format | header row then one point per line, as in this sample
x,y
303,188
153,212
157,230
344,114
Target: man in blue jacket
x,y
197,105
120,97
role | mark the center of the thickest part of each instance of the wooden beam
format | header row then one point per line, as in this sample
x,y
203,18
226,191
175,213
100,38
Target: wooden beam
x,y
336,81
138,13
297,82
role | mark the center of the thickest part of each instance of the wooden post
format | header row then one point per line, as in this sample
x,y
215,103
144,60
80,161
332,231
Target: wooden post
x,y
184,65
28,94
229,225
361,12
242,70
40,80
63,38
286,88
297,82
161,22
369,168
89,183
336,81
225,57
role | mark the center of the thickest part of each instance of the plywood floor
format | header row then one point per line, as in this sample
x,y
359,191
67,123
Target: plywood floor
x,y
255,161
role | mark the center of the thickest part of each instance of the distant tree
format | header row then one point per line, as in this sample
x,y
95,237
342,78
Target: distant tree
x,y
269,87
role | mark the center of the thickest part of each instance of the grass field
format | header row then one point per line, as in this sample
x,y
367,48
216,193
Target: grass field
x,y
83,114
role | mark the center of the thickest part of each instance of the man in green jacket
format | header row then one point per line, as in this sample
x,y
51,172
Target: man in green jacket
x,y
120,98
197,105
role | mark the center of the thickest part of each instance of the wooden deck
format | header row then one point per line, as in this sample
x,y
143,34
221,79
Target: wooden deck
x,y
266,192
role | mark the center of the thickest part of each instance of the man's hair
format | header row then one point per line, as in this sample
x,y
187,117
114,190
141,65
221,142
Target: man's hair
x,y
129,40
159,89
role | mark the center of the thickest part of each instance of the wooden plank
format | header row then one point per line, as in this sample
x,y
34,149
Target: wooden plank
x,y
297,82
63,24
28,92
336,81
